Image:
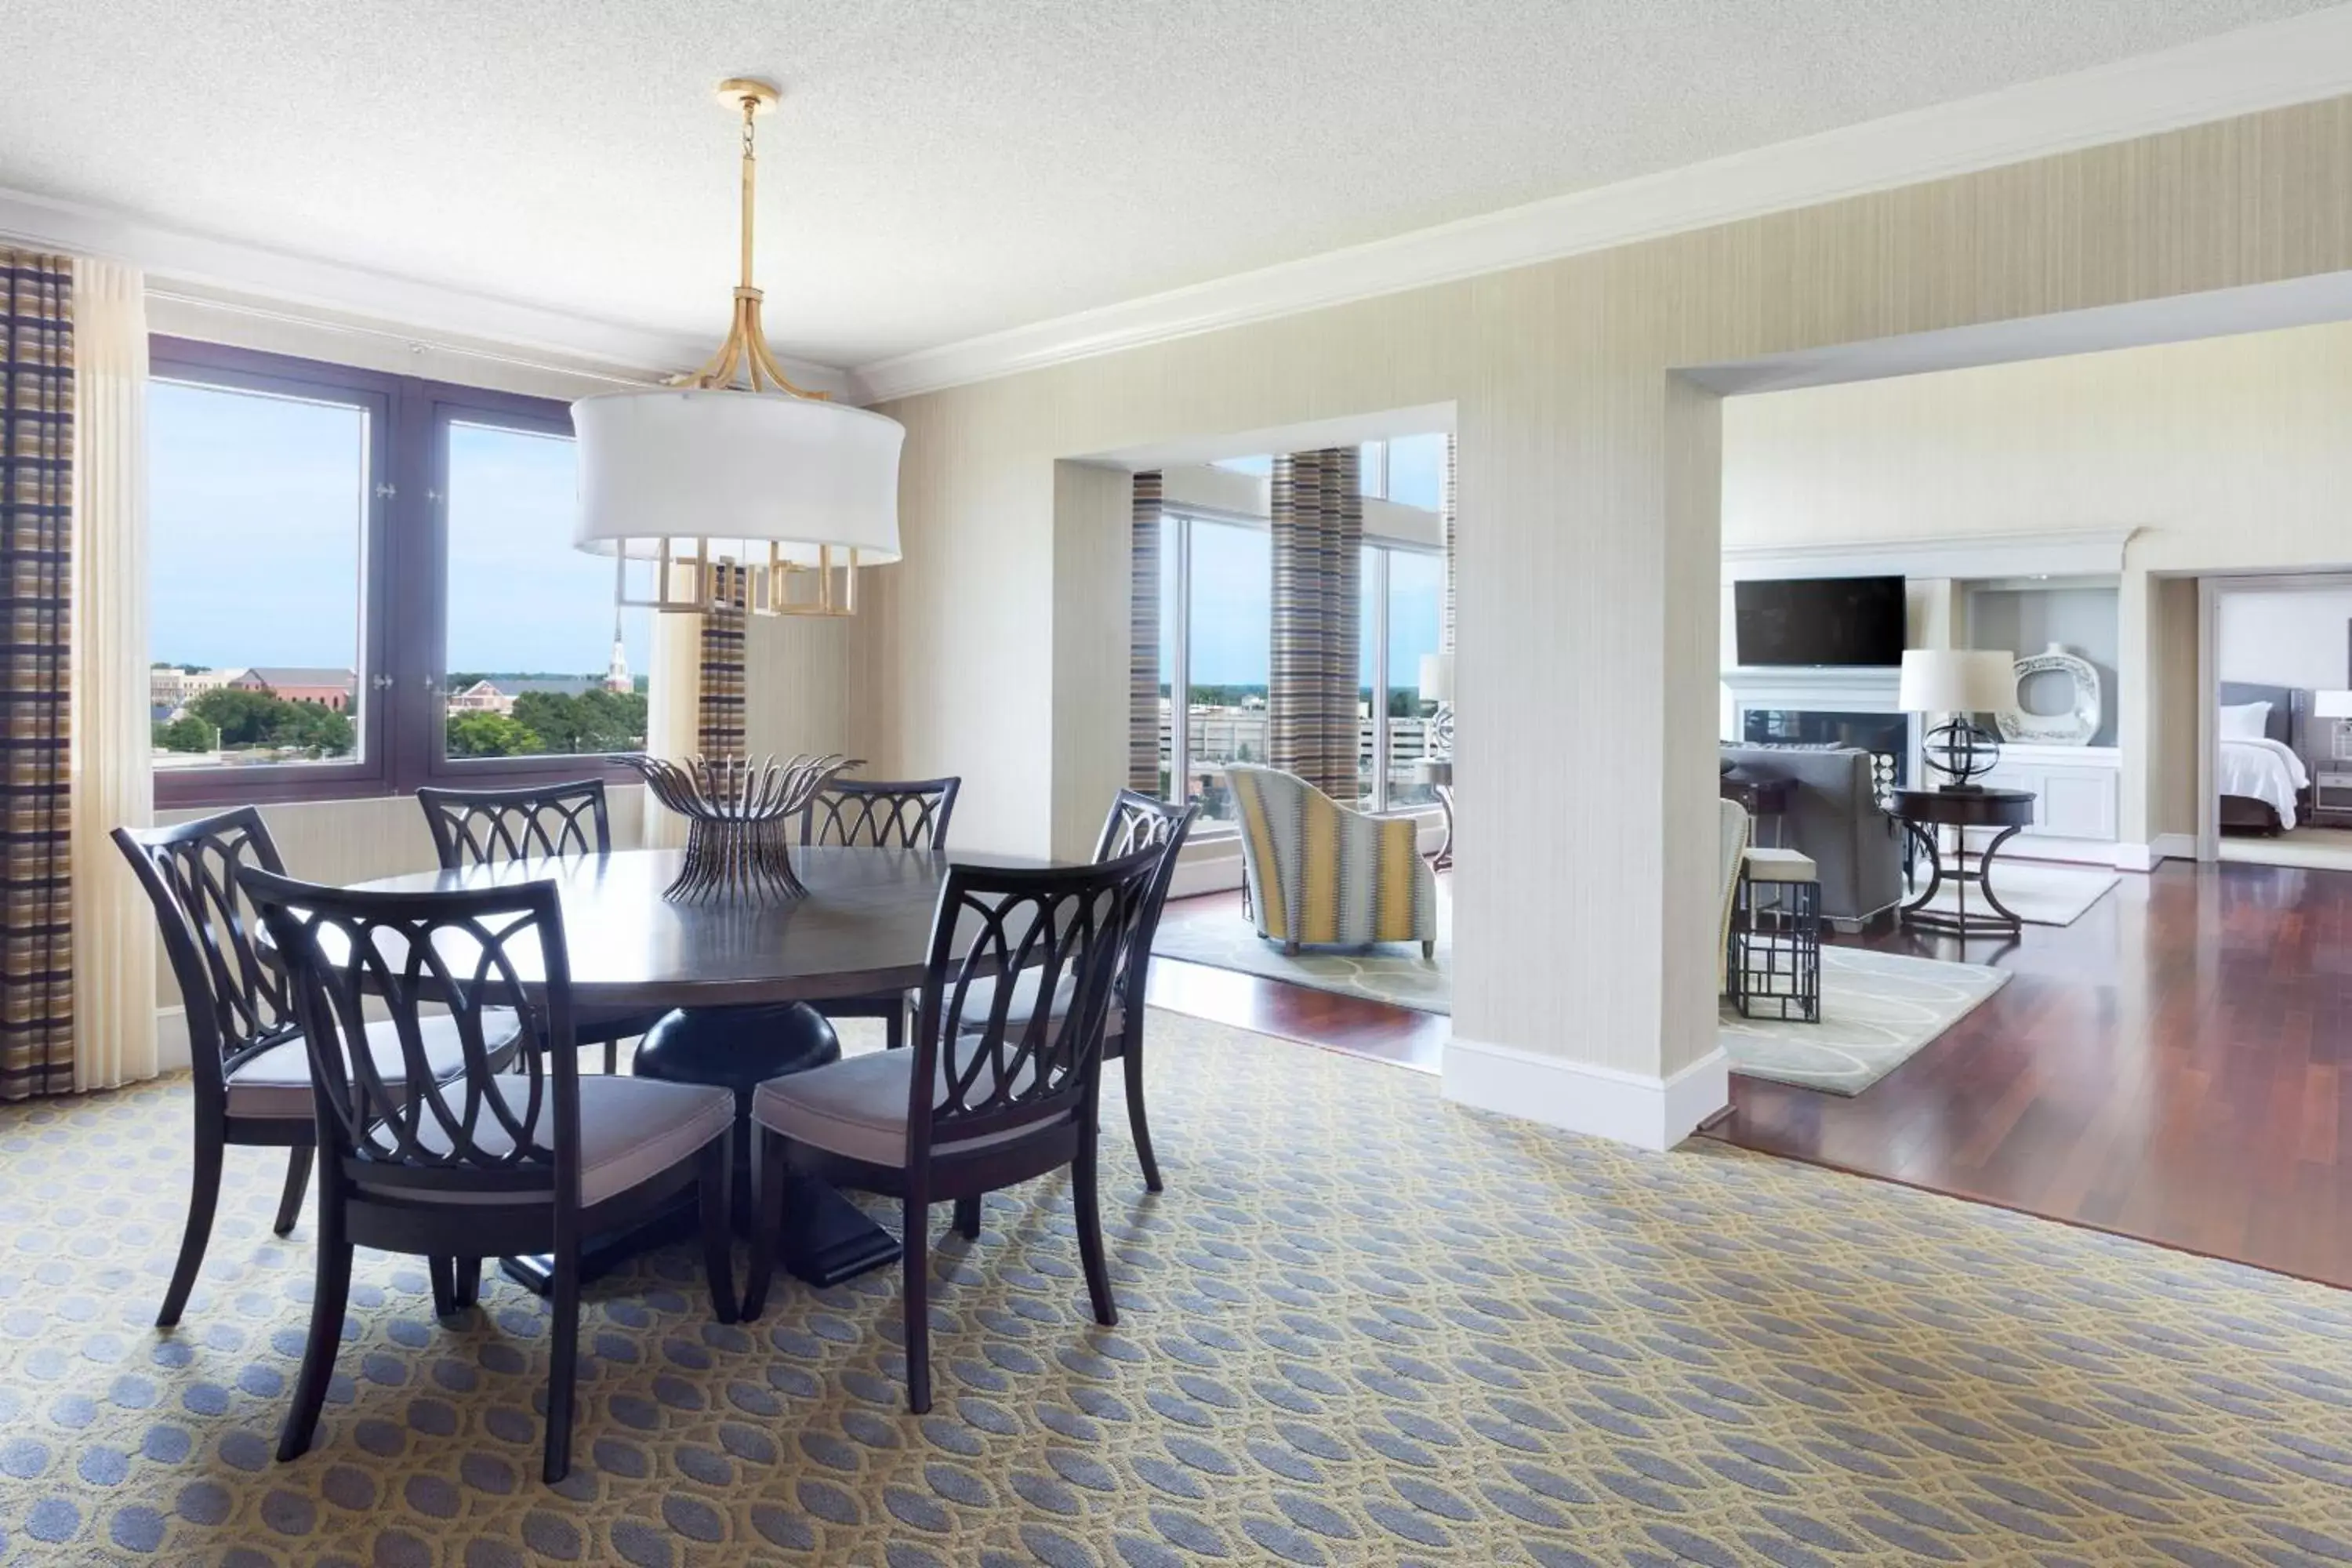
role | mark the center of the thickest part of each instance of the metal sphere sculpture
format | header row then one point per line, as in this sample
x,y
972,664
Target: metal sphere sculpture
x,y
1960,751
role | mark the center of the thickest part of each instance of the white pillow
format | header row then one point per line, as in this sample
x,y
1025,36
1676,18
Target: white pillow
x,y
2244,721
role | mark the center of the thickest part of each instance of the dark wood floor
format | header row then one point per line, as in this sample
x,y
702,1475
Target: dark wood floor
x,y
2176,1066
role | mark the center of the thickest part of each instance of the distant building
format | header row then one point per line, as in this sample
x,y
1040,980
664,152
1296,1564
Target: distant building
x,y
616,674
497,695
329,689
482,697
168,684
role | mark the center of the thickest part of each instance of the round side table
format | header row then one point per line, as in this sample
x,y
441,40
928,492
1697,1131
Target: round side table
x,y
1927,813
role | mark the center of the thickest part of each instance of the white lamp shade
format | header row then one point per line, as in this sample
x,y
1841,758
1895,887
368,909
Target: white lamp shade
x,y
2331,704
1437,677
684,463
1957,680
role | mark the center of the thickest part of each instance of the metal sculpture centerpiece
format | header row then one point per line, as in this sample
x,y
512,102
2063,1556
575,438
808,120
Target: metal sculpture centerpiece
x,y
739,821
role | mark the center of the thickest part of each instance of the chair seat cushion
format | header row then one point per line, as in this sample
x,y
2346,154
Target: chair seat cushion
x,y
981,995
855,1107
631,1131
275,1082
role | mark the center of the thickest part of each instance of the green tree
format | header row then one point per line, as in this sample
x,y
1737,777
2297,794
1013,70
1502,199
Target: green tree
x,y
312,728
594,720
489,735
186,734
241,718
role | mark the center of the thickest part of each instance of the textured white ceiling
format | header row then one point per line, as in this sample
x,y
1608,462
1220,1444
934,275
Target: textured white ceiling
x,y
946,169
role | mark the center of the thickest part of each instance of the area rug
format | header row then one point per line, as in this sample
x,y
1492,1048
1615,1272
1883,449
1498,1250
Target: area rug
x,y
1215,932
1361,1326
2037,892
1877,1008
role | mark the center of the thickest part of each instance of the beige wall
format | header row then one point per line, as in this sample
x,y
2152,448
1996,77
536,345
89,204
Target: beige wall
x,y
1589,546
2223,454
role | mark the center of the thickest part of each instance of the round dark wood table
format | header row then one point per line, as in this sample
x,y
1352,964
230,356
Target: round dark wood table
x,y
864,930
1927,813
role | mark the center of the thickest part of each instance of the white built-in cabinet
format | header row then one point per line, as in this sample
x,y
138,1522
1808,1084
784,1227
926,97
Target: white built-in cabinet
x,y
2076,791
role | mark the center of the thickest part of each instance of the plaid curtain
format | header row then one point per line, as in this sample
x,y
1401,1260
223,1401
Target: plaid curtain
x,y
718,731
1143,645
1319,532
36,439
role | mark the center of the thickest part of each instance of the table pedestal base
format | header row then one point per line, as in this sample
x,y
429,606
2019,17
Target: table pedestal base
x,y
827,1238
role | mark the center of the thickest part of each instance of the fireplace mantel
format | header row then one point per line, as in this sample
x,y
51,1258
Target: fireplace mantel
x,y
1870,689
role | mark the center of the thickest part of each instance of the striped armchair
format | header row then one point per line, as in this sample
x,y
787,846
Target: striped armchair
x,y
1320,872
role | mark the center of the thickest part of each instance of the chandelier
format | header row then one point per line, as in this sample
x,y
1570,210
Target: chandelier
x,y
741,489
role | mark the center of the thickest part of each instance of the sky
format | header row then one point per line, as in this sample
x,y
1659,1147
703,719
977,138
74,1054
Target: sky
x,y
1232,608
262,496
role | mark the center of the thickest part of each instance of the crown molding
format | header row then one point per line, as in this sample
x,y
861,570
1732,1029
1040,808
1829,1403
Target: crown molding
x,y
206,267
2045,553
2293,61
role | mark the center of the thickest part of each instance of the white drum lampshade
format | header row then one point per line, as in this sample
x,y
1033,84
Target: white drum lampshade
x,y
1957,680
2331,704
1436,678
742,469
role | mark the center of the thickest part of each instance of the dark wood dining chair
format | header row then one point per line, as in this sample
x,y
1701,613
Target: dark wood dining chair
x,y
879,814
534,822
499,1161
1136,821
980,1100
251,1076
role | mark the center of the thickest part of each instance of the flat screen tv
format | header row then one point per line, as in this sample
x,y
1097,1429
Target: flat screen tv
x,y
1818,621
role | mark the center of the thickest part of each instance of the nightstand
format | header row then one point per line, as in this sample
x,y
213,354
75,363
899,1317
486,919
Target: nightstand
x,y
2332,792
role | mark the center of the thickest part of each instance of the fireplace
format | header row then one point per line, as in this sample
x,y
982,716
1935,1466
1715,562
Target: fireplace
x,y
1807,707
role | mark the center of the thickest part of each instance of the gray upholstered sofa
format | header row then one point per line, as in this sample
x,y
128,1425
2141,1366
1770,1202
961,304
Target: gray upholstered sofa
x,y
1833,816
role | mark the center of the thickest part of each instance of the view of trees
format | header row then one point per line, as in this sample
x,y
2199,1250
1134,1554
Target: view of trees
x,y
247,721
550,722
186,734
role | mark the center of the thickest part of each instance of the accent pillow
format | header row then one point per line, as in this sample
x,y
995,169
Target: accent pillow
x,y
2244,721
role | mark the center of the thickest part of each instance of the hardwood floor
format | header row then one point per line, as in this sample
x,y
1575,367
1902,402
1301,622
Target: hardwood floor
x,y
2176,1066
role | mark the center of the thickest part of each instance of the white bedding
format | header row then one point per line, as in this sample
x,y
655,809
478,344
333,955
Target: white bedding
x,y
2265,769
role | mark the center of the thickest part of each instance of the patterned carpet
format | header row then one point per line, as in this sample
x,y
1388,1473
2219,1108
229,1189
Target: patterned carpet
x,y
1362,1326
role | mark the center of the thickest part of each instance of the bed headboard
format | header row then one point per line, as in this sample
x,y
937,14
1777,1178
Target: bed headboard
x,y
2279,724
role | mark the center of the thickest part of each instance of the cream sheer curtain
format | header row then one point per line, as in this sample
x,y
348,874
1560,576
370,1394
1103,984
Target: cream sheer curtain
x,y
113,928
673,701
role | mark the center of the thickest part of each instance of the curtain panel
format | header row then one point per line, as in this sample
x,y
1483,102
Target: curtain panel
x,y
37,442
1312,724
112,773
1143,641
720,726
1445,521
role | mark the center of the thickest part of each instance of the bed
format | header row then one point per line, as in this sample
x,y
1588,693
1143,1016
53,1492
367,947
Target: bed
x,y
2263,785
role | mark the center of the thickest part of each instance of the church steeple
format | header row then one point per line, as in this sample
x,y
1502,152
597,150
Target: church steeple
x,y
616,674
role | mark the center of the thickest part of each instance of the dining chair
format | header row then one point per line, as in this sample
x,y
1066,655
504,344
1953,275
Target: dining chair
x,y
499,1161
535,821
879,814
1136,821
980,1100
251,1076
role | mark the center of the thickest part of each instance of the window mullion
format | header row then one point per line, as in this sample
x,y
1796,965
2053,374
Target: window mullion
x,y
1179,678
1380,702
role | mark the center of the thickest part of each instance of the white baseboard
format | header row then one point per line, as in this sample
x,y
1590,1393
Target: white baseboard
x,y
172,1039
1653,1113
2164,846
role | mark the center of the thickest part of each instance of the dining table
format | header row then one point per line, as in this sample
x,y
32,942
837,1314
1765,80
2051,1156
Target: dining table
x,y
742,976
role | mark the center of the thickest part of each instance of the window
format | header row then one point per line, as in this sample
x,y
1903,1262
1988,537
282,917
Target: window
x,y
362,583
1407,469
1217,621
1401,586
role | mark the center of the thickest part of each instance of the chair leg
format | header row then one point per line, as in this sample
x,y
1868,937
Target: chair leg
x,y
298,1177
894,1028
466,1279
204,1198
767,1230
1290,950
444,1271
612,1058
916,1265
714,1187
563,1360
967,1217
1132,1051
1088,1215
327,1303
1429,950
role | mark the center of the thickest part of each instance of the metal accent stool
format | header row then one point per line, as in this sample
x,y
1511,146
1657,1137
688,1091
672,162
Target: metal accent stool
x,y
1776,937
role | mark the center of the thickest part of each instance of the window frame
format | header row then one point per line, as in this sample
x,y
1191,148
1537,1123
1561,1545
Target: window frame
x,y
403,590
1176,546
1375,634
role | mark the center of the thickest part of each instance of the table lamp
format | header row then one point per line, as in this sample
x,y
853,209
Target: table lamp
x,y
2335,707
1958,682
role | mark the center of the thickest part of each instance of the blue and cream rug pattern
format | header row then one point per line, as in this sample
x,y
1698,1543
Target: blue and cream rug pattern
x,y
1362,1326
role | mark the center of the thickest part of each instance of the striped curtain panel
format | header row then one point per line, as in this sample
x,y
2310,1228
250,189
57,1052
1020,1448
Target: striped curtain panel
x,y
1315,687
718,730
36,439
1143,642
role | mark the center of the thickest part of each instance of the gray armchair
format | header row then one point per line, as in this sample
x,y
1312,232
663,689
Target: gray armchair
x,y
1833,816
